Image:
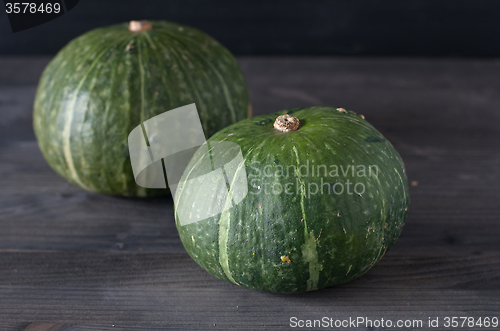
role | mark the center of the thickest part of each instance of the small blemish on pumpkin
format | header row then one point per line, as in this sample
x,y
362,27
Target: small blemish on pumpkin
x,y
264,122
181,28
285,258
385,225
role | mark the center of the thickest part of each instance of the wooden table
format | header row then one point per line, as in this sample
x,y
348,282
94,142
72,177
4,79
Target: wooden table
x,y
72,260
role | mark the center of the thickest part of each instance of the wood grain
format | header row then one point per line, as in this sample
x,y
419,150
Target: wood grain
x,y
72,260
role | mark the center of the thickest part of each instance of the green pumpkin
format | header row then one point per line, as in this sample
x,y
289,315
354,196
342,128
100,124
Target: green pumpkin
x,y
321,204
108,81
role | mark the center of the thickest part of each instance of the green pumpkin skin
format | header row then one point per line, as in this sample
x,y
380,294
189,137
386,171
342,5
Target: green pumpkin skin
x,y
108,81
292,243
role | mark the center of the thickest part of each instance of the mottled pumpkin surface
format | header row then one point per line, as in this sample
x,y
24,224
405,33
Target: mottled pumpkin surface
x,y
108,81
297,230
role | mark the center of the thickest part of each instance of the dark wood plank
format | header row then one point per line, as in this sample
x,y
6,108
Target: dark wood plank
x,y
22,70
82,261
201,308
413,270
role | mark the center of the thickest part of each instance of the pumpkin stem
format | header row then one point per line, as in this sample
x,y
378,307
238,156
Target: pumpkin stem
x,y
138,26
286,123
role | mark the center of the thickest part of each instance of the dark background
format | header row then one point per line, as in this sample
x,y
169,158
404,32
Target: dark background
x,y
280,27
